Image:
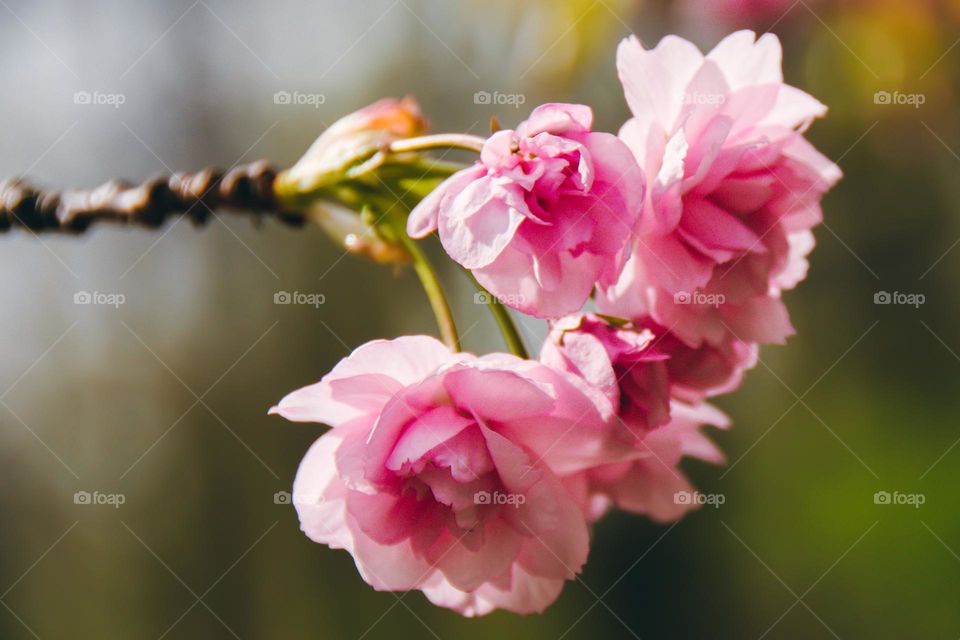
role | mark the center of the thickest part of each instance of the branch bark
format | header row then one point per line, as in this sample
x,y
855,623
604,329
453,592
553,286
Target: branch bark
x,y
244,189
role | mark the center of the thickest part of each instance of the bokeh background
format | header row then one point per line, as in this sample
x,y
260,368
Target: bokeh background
x,y
163,399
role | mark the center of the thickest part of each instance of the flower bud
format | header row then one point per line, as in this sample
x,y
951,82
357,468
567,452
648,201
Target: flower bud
x,y
356,235
349,142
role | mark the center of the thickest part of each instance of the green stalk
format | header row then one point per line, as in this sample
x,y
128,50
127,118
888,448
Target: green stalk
x,y
507,327
431,284
439,141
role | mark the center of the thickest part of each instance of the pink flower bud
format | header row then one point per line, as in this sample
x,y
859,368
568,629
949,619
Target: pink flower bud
x,y
349,141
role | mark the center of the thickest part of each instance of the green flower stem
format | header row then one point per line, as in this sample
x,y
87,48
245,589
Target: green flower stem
x,y
431,284
439,141
507,327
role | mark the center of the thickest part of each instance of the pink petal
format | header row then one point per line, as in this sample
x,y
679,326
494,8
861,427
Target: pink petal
x,y
744,194
512,277
705,148
620,185
750,105
584,355
747,62
801,244
517,591
320,501
650,489
315,403
466,569
423,219
407,359
318,495
763,319
654,81
428,431
557,541
484,393
481,221
558,118
670,263
381,365
389,567
385,518
716,233
795,109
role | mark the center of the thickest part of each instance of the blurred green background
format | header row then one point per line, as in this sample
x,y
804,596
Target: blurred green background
x,y
164,399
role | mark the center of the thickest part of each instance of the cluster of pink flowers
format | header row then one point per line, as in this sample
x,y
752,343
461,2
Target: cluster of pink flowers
x,y
475,479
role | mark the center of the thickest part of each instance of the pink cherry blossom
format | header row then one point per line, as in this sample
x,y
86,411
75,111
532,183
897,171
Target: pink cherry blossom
x,y
640,367
652,483
734,189
442,472
706,371
623,362
655,385
544,215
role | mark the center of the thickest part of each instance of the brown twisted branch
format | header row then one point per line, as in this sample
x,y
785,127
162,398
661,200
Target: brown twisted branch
x,y
245,188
